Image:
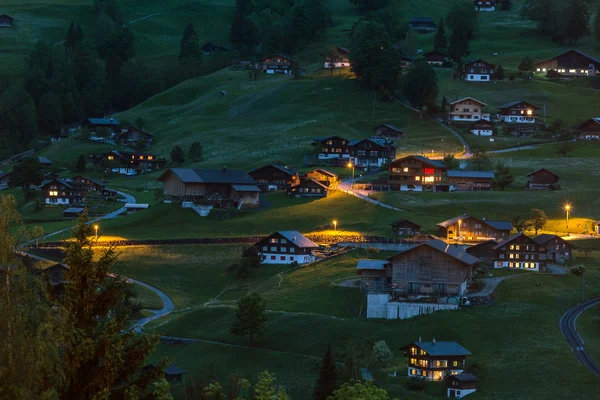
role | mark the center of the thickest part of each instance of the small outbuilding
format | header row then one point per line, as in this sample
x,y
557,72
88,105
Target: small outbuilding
x,y
73,212
308,188
388,131
482,127
405,227
461,385
542,179
6,21
173,374
135,207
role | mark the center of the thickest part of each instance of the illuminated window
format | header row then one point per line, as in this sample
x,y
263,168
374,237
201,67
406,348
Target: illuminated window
x,y
141,157
517,256
538,70
454,372
428,179
423,352
413,360
544,69
511,256
522,112
441,363
424,373
111,157
512,246
417,178
517,247
53,193
428,171
273,240
150,157
511,265
455,363
529,112
413,351
413,371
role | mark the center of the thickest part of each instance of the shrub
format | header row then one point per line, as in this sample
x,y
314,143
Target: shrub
x,y
577,269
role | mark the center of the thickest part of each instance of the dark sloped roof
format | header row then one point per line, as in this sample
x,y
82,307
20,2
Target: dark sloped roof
x,y
326,172
392,127
275,55
434,51
457,252
469,98
103,121
434,163
45,160
464,377
231,176
596,120
315,182
499,225
540,170
405,220
298,239
515,103
279,167
73,210
371,264
443,348
245,188
510,239
215,44
459,173
421,19
568,51
481,244
543,238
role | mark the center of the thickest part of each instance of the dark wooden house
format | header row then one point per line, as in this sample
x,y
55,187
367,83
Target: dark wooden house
x,y
587,130
460,180
6,21
482,128
286,247
520,251
5,179
435,360
91,185
518,112
62,192
274,177
323,176
555,247
542,179
435,57
471,229
372,152
222,188
93,124
571,63
133,135
460,385
332,147
416,173
388,131
128,161
404,227
479,71
213,48
275,64
173,374
484,251
308,188
424,24
73,212
407,61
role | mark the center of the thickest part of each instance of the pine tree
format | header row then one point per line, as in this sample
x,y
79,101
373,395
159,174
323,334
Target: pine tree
x,y
49,70
578,20
500,73
327,380
505,5
195,151
190,56
250,317
70,39
439,41
459,42
177,155
444,104
597,26
80,166
26,173
419,86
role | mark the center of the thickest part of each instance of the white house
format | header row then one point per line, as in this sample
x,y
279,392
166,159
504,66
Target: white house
x,y
341,60
286,247
518,112
467,109
482,128
479,71
485,5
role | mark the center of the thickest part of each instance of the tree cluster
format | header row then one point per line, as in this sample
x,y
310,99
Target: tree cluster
x,y
462,23
562,21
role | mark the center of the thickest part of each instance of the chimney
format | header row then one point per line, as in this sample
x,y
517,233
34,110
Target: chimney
x,y
433,340
294,237
420,339
225,170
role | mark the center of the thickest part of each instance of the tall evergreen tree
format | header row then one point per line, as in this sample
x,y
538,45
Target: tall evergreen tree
x,y
439,41
298,30
578,20
70,42
597,26
49,114
419,86
327,380
500,73
190,56
459,42
26,173
462,12
49,70
80,166
250,317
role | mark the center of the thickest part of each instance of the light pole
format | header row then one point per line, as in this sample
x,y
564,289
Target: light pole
x,y
459,222
350,165
335,225
96,229
567,209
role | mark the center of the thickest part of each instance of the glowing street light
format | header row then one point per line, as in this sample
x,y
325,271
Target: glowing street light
x,y
350,165
568,210
96,229
335,225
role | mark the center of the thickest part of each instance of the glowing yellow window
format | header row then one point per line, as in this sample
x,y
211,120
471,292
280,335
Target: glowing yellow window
x,y
141,157
529,112
111,157
53,193
150,157
413,351
405,169
428,179
417,178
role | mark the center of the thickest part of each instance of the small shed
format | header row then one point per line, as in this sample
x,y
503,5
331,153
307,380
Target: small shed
x,y
388,131
542,179
308,188
461,385
173,374
45,161
135,207
73,212
405,227
213,47
435,57
6,21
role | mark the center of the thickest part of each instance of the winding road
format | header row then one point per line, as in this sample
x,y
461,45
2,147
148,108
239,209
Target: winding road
x,y
568,328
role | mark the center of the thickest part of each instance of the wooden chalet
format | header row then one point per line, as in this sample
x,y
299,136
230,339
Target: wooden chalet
x,y
542,179
93,124
471,229
571,63
467,109
275,64
340,60
423,24
517,112
132,208
221,188
323,176
274,177
587,130
90,185
286,247
460,385
308,188
404,227
133,135
128,161
460,180
520,251
479,71
435,360
73,212
485,5
406,61
416,173
483,250
388,131
5,179
209,48
6,21
555,247
435,57
372,152
482,128
332,147
374,275
62,192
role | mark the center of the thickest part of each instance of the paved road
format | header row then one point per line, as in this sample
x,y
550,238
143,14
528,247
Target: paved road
x,y
346,187
168,306
527,147
568,328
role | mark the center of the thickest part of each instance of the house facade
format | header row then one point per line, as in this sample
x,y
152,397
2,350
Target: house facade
x,y
434,360
471,229
340,60
324,177
542,179
404,227
93,124
124,162
62,192
221,188
482,128
587,130
132,135
467,109
483,250
424,24
485,5
460,180
571,63
332,147
286,247
90,185
435,57
274,177
388,131
415,173
461,385
520,251
555,247
368,153
308,188
517,112
275,64
479,71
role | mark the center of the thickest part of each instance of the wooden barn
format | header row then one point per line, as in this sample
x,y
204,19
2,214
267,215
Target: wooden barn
x,y
388,131
471,229
460,180
542,179
323,176
133,135
435,57
6,21
482,128
571,63
308,188
479,71
555,247
587,130
460,385
404,227
274,177
93,124
484,250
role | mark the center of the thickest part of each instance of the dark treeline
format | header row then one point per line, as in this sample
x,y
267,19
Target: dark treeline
x,y
563,21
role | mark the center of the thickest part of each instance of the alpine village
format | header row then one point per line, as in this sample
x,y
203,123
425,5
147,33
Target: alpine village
x,y
299,199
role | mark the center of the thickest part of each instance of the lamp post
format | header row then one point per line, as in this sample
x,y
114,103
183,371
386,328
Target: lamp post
x,y
459,223
350,165
335,225
568,210
96,229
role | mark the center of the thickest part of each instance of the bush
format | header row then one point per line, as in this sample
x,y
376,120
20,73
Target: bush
x,y
416,385
577,269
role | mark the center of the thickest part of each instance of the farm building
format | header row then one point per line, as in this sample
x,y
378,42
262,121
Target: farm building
x,y
460,385
125,162
473,229
388,131
542,179
96,123
520,251
517,112
587,130
274,177
467,109
223,188
286,247
73,212
62,192
209,48
416,173
323,176
339,60
275,64
482,128
373,275
370,152
405,227
424,24
434,360
45,161
308,188
485,5
407,61
6,21
133,135
435,57
555,247
571,63
470,180
332,147
135,207
479,71
91,185
483,250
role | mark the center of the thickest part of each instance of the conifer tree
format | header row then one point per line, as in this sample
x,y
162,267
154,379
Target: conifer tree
x,y
500,73
327,380
439,42
190,57
597,26
459,42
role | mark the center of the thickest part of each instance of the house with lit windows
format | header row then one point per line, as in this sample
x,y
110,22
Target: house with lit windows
x,y
275,64
467,109
416,173
371,152
286,247
479,71
472,229
125,162
571,63
62,192
435,360
587,130
274,177
517,112
485,5
555,247
520,251
332,147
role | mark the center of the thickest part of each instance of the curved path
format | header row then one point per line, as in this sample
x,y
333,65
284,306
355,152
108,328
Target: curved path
x,y
168,306
568,328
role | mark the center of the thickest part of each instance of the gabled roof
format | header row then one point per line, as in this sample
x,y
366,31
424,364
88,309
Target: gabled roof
x,y
478,60
516,103
275,55
540,170
246,188
469,98
298,239
459,173
103,121
456,252
443,348
371,264
434,51
215,44
61,181
405,220
392,127
342,50
464,377
321,138
596,120
433,163
315,182
279,167
326,172
546,237
45,160
72,210
481,244
511,239
377,141
569,51
189,175
134,129
421,19
499,225
85,178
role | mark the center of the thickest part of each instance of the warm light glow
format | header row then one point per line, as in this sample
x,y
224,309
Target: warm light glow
x,y
529,112
567,207
111,157
350,165
53,193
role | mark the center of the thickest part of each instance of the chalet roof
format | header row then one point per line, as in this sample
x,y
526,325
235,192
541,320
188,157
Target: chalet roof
x,y
371,264
73,210
481,244
434,163
468,98
85,178
540,170
275,55
103,121
568,51
404,220
443,348
134,129
434,51
596,120
215,44
315,182
499,225
326,172
456,252
279,167
392,127
224,175
510,239
61,181
543,238
45,160
342,50
377,141
478,60
421,19
321,138
464,377
298,239
245,188
516,103
136,206
459,173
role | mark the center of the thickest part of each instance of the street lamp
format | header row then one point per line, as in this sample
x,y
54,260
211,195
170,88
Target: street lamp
x,y
459,223
568,210
350,165
96,229
335,225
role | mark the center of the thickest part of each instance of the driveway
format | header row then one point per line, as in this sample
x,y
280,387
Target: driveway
x,y
346,187
168,306
128,199
557,269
